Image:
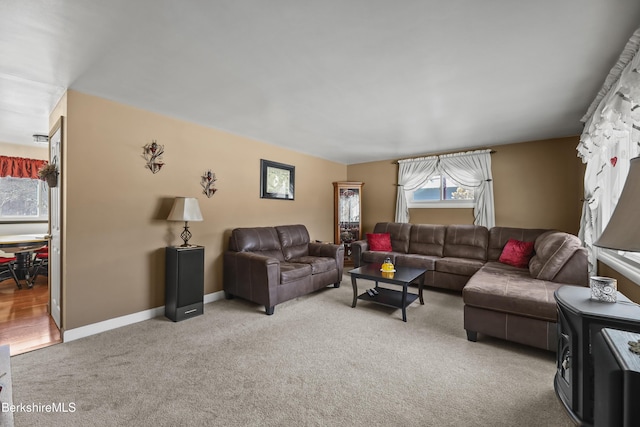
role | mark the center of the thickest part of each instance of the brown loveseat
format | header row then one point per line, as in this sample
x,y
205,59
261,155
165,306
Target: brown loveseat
x,y
270,265
500,300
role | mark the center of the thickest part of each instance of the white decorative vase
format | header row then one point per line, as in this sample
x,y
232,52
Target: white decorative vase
x,y
603,288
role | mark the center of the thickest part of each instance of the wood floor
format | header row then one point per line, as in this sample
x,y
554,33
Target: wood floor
x,y
25,323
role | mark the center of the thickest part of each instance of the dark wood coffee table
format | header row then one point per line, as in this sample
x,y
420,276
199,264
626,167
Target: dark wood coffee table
x,y
388,297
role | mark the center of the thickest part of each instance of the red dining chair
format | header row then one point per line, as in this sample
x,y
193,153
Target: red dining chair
x,y
40,263
8,269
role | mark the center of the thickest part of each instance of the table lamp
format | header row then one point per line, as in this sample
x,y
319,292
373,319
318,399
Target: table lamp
x,y
622,232
185,209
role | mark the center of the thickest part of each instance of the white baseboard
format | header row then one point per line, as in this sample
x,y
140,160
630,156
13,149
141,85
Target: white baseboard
x,y
129,319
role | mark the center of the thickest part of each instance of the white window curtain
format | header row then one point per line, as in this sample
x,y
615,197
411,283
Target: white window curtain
x,y
471,169
412,174
611,137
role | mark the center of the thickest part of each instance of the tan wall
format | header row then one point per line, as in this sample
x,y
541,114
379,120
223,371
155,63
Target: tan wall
x,y
629,288
378,193
115,228
537,184
26,151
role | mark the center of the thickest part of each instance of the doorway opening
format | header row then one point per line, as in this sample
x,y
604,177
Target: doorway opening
x,y
24,316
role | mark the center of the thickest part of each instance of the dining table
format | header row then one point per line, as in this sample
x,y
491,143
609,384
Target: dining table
x,y
23,246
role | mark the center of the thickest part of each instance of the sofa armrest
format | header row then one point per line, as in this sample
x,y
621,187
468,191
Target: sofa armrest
x,y
251,276
328,250
357,249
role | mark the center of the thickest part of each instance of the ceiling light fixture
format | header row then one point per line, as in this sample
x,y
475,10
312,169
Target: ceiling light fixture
x,y
40,139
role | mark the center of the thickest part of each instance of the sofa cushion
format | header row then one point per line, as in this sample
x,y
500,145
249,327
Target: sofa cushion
x,y
379,242
318,264
290,271
262,240
499,236
399,232
517,253
466,241
553,250
508,289
294,240
416,261
461,266
427,239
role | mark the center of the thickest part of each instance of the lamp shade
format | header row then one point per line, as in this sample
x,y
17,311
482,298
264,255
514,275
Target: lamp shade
x,y
622,231
185,209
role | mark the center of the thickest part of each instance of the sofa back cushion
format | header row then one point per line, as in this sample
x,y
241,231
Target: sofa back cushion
x,y
427,239
294,240
499,236
466,241
553,250
399,232
261,240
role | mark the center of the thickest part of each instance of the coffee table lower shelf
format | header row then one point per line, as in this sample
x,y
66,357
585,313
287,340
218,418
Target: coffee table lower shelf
x,y
389,297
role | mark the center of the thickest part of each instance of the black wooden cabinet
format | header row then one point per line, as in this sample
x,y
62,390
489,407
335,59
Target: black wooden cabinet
x,y
579,320
184,289
617,379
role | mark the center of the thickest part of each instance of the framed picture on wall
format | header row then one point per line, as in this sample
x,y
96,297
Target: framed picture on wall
x,y
277,180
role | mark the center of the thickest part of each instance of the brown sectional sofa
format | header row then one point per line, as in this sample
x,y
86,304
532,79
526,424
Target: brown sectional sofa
x,y
270,265
503,301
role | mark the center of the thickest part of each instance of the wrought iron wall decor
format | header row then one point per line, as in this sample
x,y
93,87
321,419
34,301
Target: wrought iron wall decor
x,y
152,153
207,181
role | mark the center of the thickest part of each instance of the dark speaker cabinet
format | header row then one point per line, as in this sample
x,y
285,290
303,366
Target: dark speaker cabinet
x,y
184,290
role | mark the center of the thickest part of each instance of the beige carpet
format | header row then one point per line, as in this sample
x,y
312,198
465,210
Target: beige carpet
x,y
315,362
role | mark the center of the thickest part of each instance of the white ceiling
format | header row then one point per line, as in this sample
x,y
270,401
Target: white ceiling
x,y
346,80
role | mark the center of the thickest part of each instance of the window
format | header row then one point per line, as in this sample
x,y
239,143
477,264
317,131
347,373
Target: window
x,y
441,191
446,181
23,199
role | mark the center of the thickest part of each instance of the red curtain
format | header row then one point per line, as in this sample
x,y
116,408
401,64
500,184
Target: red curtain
x,y
19,167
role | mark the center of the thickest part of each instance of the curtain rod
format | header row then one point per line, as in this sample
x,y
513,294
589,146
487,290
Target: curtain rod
x,y
438,155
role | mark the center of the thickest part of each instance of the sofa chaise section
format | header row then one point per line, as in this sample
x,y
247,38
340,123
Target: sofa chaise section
x,y
517,304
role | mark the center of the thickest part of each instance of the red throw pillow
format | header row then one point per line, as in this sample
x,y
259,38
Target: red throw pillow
x,y
517,253
380,242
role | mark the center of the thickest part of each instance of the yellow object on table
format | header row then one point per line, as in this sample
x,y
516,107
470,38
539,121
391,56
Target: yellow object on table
x,y
387,266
